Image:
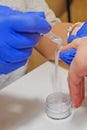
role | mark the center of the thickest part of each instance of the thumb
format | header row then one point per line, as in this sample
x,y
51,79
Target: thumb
x,y
67,56
30,23
71,38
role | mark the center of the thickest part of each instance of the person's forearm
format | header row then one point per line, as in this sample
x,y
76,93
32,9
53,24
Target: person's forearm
x,y
46,47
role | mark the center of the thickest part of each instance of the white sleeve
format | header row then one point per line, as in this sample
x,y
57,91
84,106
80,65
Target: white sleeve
x,y
41,5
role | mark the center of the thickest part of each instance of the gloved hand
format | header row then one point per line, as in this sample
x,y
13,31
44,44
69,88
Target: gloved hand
x,y
19,33
68,55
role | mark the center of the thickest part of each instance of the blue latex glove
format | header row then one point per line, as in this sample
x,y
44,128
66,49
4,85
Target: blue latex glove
x,y
67,56
19,33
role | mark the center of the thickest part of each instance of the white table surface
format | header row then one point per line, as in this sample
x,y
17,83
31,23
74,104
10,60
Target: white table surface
x,y
22,103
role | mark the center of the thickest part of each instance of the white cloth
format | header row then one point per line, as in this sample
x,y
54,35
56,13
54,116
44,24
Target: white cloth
x,y
25,5
41,5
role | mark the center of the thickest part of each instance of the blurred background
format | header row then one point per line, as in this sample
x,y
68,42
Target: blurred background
x,y
67,10
78,9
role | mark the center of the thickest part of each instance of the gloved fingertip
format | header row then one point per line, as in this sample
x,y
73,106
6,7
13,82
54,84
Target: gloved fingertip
x,y
41,14
62,56
71,38
67,56
47,28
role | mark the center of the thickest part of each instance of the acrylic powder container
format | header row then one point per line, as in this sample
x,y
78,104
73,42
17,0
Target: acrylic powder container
x,y
58,106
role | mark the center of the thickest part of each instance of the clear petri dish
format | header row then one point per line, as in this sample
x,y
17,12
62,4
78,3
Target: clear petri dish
x,y
58,106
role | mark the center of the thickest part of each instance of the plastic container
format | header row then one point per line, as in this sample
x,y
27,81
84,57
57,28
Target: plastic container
x,y
58,106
